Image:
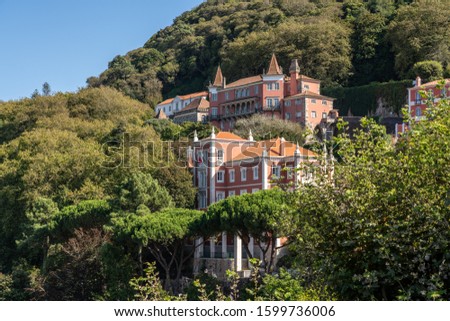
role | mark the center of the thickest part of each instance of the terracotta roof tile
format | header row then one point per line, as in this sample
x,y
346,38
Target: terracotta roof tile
x,y
274,150
274,69
245,81
228,135
218,81
161,115
167,101
197,103
184,97
194,95
308,93
303,77
431,83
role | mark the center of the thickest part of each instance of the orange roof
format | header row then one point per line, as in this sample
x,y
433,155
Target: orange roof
x,y
273,147
167,101
219,78
228,135
197,103
274,69
184,97
245,81
431,83
161,115
194,95
303,77
308,93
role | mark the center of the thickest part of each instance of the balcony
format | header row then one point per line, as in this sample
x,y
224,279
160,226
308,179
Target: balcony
x,y
276,107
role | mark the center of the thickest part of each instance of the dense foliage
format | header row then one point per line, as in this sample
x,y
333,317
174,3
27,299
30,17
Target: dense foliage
x,y
366,100
89,192
264,128
351,42
67,162
380,229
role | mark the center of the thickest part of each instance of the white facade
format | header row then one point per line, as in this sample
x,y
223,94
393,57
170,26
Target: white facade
x,y
170,106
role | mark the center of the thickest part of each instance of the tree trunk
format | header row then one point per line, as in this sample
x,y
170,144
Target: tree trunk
x,y
141,265
45,254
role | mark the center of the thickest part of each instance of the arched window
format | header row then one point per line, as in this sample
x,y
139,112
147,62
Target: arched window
x,y
418,112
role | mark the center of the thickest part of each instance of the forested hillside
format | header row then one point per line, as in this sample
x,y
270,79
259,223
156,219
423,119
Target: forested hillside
x,y
67,161
343,43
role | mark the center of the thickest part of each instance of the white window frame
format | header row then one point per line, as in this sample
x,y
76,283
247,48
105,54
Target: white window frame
x,y
324,102
269,86
290,172
227,95
220,174
220,196
231,193
243,191
313,101
256,89
277,86
254,190
306,87
214,97
298,114
287,103
243,174
255,171
201,179
324,115
288,116
232,175
220,156
202,200
313,114
418,109
276,169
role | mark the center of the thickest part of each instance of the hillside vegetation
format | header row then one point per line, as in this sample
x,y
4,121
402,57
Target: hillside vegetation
x,y
348,43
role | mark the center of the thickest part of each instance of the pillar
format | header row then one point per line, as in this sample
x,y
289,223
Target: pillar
x,y
212,169
237,253
198,248
251,246
212,245
265,174
224,245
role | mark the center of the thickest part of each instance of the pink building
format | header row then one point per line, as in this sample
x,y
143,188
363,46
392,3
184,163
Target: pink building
x,y
225,165
417,105
294,98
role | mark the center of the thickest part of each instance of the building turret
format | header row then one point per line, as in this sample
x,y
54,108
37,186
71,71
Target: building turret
x,y
294,71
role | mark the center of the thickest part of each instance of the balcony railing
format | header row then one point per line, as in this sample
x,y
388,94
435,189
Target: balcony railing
x,y
276,107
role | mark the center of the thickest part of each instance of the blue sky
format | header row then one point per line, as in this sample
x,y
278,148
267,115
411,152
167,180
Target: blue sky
x,y
63,42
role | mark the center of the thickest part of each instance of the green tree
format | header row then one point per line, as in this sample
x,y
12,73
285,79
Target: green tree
x,y
164,234
142,189
379,230
46,90
264,127
264,215
428,70
419,33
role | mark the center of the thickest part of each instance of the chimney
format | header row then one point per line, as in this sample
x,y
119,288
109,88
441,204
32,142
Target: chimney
x,y
224,84
294,71
418,81
282,146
